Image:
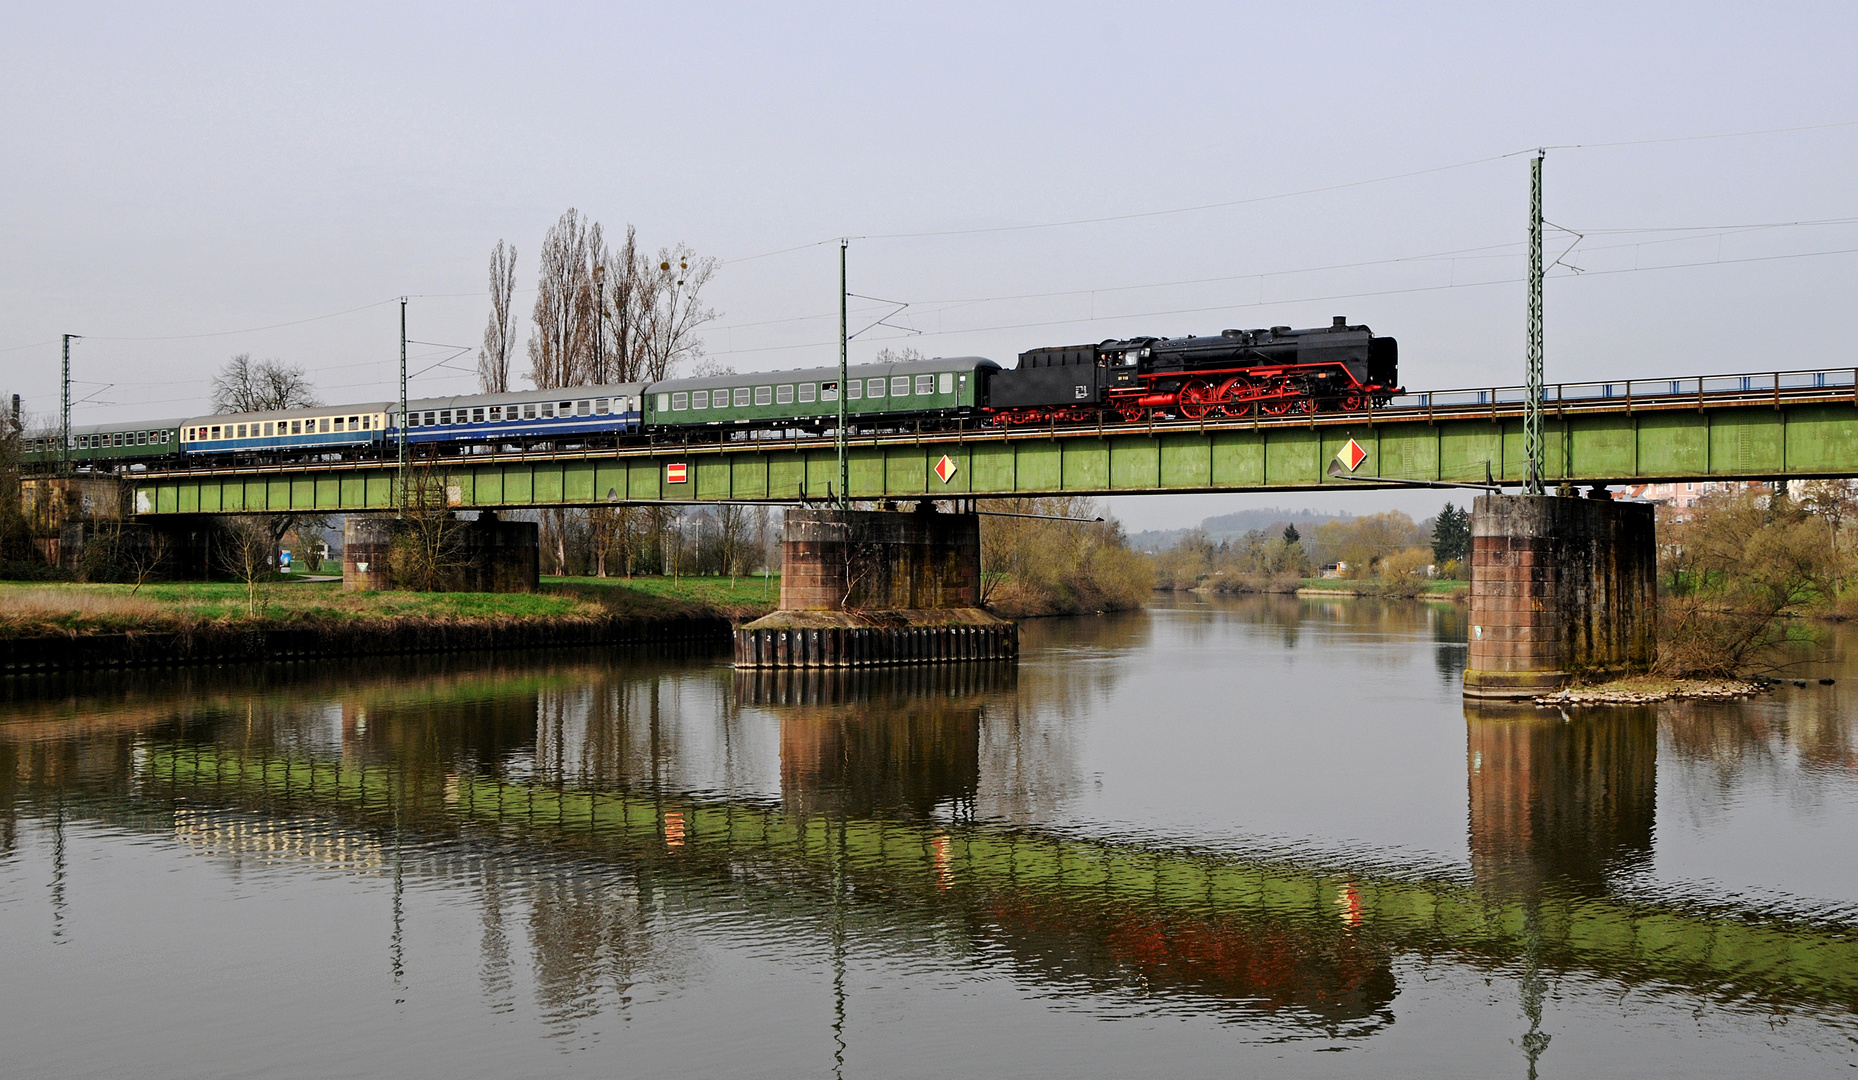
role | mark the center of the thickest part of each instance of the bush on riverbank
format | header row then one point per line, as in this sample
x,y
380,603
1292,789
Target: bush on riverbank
x,y
1735,565
1031,566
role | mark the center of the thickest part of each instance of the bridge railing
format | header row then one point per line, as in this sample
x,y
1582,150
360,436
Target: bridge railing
x,y
1690,387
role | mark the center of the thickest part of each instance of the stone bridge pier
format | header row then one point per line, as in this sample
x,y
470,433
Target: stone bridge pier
x,y
486,555
864,587
1561,588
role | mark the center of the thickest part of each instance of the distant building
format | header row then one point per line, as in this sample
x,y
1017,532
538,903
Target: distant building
x,y
1685,495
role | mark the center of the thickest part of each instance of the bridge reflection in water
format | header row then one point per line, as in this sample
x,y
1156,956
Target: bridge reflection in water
x,y
513,780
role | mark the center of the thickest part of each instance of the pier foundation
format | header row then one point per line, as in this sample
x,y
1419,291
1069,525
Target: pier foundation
x,y
486,555
862,588
1560,588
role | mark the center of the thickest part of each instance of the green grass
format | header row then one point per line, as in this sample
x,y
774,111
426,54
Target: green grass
x,y
654,595
67,607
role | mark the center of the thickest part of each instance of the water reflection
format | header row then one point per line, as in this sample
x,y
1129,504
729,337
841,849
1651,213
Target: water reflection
x,y
595,813
1559,801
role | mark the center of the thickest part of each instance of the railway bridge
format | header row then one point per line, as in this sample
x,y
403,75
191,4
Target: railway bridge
x,y
1761,426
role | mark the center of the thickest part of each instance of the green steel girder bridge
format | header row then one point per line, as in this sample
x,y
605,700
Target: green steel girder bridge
x,y
1774,425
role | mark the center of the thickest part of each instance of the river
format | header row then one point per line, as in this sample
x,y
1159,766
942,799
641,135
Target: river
x,y
1261,836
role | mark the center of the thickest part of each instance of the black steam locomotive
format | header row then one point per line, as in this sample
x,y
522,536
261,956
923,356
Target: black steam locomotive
x,y
1239,373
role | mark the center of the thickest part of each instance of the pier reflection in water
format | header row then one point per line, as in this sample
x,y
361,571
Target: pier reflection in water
x,y
804,855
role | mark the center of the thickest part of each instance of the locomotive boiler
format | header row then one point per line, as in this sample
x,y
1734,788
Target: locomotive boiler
x,y
1234,374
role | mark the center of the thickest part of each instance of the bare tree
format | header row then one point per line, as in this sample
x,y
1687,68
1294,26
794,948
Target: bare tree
x,y
246,554
735,537
429,545
675,312
561,346
617,354
244,386
493,360
143,556
267,385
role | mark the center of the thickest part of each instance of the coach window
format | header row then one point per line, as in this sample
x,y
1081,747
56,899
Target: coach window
x,y
854,390
680,401
899,386
268,427
584,407
324,425
141,438
719,399
764,395
784,395
947,383
925,384
828,391
351,423
874,388
741,397
566,408
809,392
216,432
699,399
599,406
477,416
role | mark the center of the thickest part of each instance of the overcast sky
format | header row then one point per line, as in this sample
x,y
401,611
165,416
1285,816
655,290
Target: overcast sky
x,y
184,182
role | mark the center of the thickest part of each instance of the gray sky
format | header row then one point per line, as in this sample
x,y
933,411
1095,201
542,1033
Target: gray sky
x,y
172,173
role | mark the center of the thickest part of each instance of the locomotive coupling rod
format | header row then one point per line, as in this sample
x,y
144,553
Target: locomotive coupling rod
x,y
1339,472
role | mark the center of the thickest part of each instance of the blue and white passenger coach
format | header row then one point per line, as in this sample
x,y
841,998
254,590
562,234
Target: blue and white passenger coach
x,y
570,414
323,429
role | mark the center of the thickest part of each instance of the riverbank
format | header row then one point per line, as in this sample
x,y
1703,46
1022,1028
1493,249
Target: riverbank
x,y
58,627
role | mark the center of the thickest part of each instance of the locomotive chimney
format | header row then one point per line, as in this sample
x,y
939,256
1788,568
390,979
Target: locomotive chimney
x,y
1340,323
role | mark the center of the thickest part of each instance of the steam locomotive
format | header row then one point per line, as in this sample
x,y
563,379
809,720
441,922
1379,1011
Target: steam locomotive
x,y
1236,374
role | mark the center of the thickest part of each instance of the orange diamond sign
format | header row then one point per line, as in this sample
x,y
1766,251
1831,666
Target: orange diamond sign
x,y
945,469
1351,455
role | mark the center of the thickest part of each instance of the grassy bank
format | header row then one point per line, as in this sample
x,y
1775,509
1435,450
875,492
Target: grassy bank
x,y
68,608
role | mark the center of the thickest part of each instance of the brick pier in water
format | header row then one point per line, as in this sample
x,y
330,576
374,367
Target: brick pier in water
x,y
1560,588
861,588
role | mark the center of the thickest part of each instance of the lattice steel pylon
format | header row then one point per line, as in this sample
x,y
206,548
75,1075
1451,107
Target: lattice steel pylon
x,y
842,502
1532,382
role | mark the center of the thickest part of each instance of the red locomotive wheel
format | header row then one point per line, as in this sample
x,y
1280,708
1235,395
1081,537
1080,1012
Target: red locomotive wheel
x,y
1197,399
1234,396
1354,401
1277,406
1130,413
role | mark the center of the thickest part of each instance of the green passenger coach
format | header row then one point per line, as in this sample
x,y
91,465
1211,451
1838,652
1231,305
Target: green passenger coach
x,y
877,395
107,444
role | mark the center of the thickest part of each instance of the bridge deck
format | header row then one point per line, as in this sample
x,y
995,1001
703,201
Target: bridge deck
x,y
1772,425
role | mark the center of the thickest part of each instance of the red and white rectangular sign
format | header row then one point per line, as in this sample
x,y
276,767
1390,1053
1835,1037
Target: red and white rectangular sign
x,y
674,473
